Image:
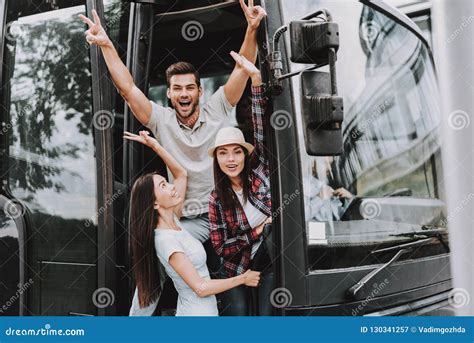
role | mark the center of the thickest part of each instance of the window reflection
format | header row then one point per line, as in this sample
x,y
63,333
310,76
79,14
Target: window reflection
x,y
51,164
391,133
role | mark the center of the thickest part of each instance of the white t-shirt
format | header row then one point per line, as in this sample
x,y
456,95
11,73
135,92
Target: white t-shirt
x,y
254,218
169,241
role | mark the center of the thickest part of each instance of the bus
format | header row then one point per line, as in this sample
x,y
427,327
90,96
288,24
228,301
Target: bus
x,y
66,173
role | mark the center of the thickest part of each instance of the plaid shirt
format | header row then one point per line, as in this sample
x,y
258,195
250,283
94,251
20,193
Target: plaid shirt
x,y
231,234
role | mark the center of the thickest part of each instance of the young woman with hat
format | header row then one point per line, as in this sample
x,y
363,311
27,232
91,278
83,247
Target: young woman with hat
x,y
155,208
240,204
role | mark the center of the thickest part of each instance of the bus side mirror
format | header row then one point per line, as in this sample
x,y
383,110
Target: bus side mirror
x,y
311,40
322,115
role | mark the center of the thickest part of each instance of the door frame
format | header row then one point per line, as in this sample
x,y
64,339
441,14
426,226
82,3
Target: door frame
x,y
101,103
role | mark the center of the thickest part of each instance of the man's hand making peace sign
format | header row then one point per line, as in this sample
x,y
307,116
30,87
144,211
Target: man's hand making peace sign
x,y
96,33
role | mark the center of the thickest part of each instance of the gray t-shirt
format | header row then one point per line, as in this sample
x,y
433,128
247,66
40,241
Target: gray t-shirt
x,y
168,242
189,146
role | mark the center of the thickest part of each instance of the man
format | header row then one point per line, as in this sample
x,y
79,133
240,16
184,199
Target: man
x,y
186,130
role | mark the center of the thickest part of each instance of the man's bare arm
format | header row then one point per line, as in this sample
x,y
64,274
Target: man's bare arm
x,y
136,100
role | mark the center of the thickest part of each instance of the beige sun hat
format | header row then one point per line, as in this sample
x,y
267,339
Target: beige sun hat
x,y
230,135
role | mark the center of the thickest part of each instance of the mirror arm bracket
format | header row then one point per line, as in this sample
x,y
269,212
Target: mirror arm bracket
x,y
274,58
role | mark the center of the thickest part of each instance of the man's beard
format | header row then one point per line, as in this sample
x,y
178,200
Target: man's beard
x,y
182,116
193,109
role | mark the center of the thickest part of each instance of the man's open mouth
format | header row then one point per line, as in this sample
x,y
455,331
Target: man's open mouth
x,y
185,104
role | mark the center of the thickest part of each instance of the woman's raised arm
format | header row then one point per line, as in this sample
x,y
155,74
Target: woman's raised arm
x,y
180,175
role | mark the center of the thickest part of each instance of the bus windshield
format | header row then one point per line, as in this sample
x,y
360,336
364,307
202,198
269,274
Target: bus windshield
x,y
386,181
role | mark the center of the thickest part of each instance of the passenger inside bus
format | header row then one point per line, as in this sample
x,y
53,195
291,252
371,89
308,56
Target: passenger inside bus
x,y
324,202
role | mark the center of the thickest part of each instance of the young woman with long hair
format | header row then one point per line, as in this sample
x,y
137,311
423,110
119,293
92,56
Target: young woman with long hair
x,y
155,231
240,205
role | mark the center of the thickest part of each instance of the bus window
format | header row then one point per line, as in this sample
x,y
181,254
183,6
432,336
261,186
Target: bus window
x,y
424,23
420,12
51,164
386,181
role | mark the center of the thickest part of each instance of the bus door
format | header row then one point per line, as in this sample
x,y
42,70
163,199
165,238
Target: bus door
x,y
199,32
361,228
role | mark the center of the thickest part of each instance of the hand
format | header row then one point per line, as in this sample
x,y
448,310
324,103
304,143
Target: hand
x,y
251,278
96,33
253,14
326,192
249,68
143,138
261,226
342,193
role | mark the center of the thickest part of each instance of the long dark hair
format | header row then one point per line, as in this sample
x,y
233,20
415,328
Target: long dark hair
x,y
143,221
223,186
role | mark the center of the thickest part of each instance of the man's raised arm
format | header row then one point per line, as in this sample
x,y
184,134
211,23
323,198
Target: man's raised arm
x,y
234,88
137,101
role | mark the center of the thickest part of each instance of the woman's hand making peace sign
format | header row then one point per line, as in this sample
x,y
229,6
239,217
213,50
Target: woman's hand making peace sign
x,y
253,14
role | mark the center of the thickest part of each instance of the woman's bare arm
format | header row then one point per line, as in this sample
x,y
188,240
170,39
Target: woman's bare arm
x,y
203,287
